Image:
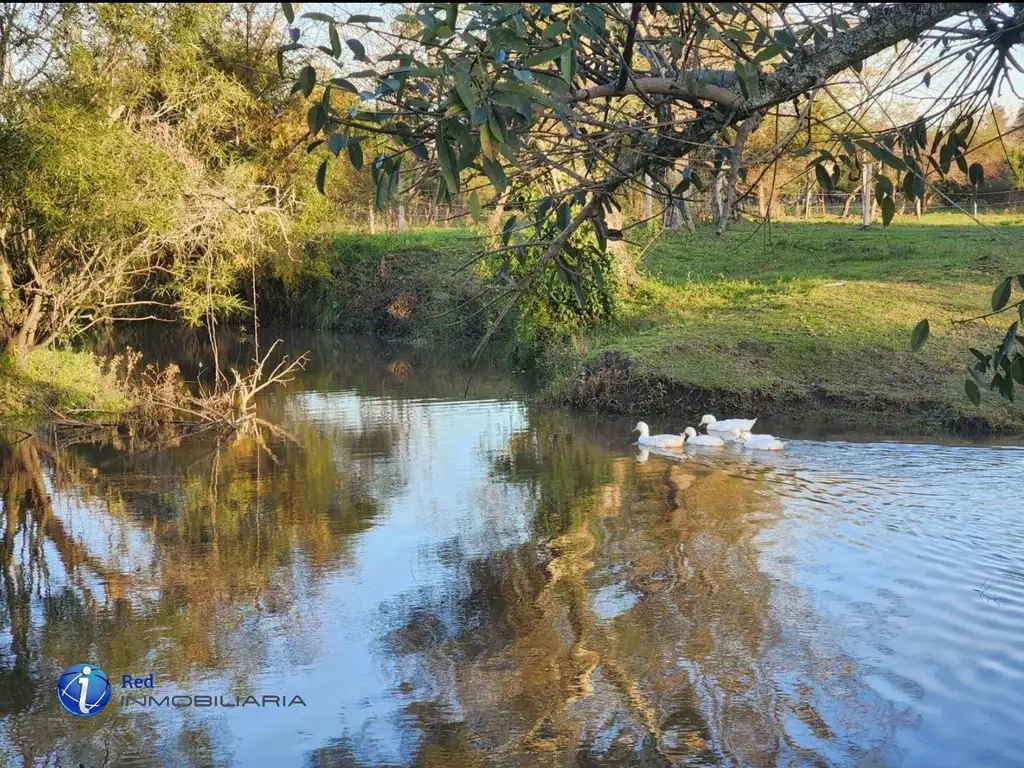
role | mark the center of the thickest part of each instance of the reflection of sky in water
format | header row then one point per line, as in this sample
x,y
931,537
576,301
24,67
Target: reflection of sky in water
x,y
892,543
445,496
862,603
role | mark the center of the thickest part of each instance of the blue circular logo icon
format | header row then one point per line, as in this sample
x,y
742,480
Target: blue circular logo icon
x,y
83,690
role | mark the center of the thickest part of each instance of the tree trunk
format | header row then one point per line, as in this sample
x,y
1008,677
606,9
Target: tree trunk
x,y
24,341
761,203
677,212
807,201
849,202
717,195
736,165
624,267
499,210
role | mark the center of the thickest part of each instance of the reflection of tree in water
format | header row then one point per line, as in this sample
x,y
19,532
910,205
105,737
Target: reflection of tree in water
x,y
160,563
639,630
368,365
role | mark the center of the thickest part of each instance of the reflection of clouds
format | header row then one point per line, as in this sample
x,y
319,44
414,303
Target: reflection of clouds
x,y
489,591
651,633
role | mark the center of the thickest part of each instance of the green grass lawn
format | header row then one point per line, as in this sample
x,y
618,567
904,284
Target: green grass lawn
x,y
823,308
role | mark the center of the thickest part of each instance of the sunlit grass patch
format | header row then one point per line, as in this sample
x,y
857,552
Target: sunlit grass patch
x,y
823,307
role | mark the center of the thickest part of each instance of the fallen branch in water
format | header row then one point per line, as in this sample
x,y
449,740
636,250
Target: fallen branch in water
x,y
164,410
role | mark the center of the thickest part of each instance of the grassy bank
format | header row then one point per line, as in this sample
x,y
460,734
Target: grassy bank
x,y
390,285
813,323
56,380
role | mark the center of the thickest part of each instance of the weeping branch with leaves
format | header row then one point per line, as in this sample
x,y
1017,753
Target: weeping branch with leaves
x,y
556,112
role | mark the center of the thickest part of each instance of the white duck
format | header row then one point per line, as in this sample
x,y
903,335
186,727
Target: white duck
x,y
692,438
726,425
760,442
656,441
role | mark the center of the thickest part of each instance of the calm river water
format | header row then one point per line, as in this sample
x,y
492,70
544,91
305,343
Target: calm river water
x,y
473,582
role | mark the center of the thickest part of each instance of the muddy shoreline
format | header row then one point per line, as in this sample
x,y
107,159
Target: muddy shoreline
x,y
614,384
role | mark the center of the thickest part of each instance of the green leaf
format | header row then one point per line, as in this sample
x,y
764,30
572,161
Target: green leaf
x,y
496,174
321,177
927,79
316,117
355,155
317,16
1009,339
358,51
307,80
335,41
961,163
919,335
1001,295
549,54
313,145
1017,369
746,74
976,173
1006,387
464,87
474,206
344,84
488,143
593,14
883,188
446,159
336,142
823,176
973,393
289,13
506,230
888,206
566,66
883,155
553,30
362,18
770,52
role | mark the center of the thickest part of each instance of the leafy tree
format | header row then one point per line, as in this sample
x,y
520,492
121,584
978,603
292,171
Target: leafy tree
x,y
579,104
150,156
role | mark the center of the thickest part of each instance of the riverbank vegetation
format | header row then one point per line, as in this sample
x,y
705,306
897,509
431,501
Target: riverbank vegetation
x,y
813,322
576,176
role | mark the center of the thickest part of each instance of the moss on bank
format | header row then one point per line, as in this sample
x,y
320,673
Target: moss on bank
x,y
57,380
814,325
